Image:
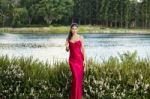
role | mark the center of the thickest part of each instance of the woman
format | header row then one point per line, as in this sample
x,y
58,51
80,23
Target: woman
x,y
75,45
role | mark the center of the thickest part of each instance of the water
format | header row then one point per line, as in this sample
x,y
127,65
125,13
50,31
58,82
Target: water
x,y
51,47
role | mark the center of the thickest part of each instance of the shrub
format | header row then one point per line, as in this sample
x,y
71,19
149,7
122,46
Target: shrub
x,y
123,77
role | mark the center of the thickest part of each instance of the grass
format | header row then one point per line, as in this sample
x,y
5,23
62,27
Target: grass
x,y
123,77
65,29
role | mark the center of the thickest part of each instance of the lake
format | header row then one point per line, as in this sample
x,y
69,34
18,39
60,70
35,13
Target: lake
x,y
51,47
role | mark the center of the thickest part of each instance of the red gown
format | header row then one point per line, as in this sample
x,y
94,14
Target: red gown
x,y
77,68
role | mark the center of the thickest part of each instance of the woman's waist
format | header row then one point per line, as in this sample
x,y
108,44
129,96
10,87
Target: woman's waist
x,y
75,56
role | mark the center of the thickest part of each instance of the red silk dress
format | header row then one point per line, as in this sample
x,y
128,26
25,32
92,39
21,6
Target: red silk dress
x,y
77,68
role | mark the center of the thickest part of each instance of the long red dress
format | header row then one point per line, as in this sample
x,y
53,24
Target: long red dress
x,y
77,68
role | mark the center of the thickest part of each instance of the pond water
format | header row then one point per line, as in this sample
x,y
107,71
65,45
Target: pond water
x,y
51,47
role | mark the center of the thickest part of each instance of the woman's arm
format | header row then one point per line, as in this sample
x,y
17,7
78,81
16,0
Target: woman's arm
x,y
83,49
67,45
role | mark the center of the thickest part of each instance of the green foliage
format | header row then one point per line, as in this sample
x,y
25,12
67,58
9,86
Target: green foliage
x,y
20,16
123,77
109,13
24,12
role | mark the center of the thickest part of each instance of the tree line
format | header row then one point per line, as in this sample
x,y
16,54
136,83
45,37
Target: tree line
x,y
107,13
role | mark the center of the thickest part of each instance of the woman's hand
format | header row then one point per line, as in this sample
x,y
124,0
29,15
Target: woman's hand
x,y
67,45
84,63
67,48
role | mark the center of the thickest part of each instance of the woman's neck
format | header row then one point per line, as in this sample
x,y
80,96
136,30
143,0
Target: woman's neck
x,y
75,34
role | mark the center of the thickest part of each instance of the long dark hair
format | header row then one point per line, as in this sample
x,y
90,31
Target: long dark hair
x,y
70,33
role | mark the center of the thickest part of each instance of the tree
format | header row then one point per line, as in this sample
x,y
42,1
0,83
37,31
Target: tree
x,y
53,10
20,16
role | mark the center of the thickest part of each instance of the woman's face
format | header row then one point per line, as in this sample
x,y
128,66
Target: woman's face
x,y
74,29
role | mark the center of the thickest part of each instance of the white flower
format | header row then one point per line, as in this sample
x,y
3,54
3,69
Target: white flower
x,y
114,94
135,86
146,86
141,76
32,91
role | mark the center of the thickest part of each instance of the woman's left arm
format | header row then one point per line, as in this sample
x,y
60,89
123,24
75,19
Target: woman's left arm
x,y
83,49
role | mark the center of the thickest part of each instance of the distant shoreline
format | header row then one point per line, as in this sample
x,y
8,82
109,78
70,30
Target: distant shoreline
x,y
65,29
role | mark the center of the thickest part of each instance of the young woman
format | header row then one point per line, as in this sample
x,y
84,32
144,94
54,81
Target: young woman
x,y
75,47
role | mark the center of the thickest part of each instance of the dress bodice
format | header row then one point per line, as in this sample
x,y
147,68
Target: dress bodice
x,y
75,50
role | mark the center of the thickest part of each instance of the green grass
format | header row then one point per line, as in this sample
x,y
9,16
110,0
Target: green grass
x,y
123,77
65,29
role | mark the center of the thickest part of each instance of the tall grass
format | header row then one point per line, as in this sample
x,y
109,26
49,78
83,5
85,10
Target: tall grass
x,y
65,29
123,77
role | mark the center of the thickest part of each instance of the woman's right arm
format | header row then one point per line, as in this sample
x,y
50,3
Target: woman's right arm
x,y
67,45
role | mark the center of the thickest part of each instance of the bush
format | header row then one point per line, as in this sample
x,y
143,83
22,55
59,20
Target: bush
x,y
123,77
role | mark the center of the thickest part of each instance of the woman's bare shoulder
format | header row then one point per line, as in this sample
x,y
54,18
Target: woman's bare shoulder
x,y
81,37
